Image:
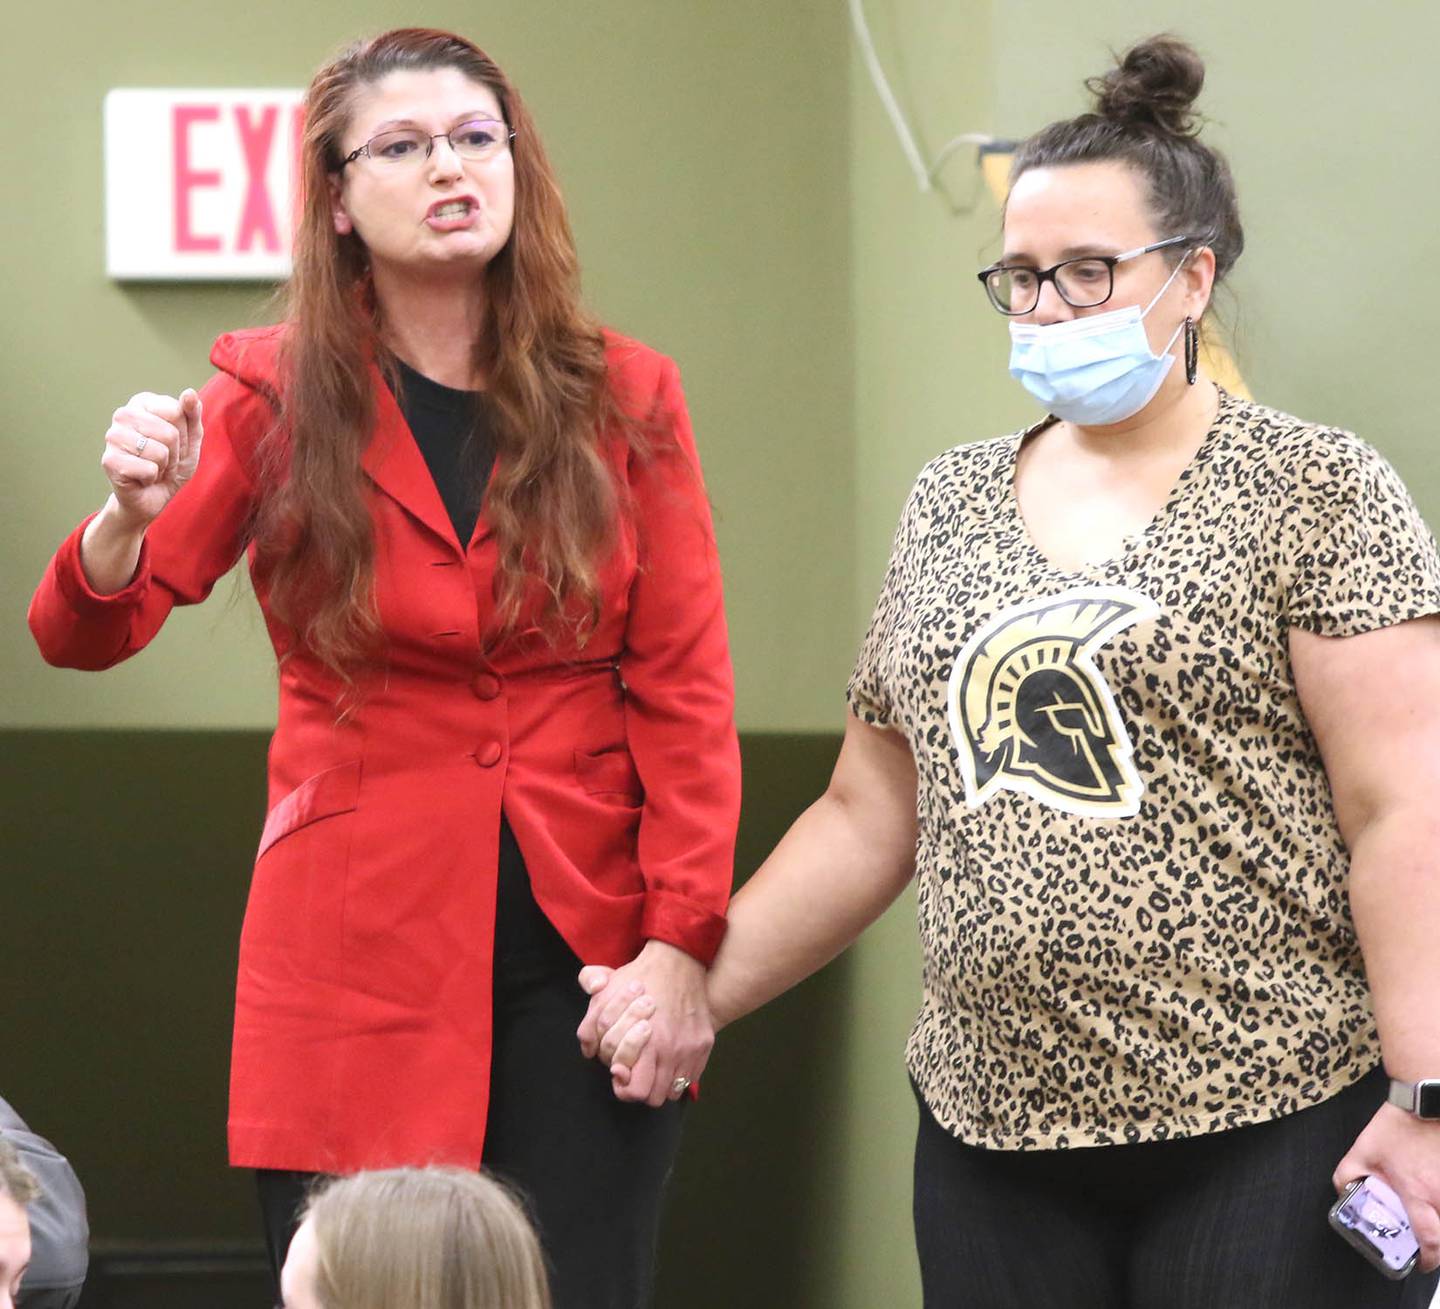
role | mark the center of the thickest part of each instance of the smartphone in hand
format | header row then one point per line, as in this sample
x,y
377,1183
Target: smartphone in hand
x,y
1371,1217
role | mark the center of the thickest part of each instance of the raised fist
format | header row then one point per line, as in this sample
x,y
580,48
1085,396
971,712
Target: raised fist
x,y
151,450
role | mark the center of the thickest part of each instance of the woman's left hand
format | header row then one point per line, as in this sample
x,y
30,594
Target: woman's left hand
x,y
1405,1152
661,992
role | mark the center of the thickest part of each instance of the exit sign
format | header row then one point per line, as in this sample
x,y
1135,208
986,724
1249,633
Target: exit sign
x,y
200,184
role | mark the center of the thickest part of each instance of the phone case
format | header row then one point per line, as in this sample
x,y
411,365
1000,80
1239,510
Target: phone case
x,y
1371,1217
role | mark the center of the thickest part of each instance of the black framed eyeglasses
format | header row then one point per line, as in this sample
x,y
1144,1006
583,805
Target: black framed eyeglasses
x,y
476,138
1082,283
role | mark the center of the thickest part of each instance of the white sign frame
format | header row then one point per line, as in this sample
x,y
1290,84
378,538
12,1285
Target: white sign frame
x,y
199,183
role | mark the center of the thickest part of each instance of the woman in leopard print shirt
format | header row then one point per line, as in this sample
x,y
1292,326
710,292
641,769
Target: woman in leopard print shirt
x,y
1150,705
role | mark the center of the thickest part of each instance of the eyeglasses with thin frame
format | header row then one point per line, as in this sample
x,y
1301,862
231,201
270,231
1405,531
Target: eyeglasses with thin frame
x,y
476,138
1083,282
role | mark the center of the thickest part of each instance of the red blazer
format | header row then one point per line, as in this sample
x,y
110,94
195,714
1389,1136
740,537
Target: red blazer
x,y
362,1017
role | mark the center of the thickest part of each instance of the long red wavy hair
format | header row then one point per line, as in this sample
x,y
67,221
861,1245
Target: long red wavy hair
x,y
552,500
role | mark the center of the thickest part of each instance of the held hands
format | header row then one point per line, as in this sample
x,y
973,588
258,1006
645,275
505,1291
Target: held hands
x,y
649,1022
1405,1151
151,450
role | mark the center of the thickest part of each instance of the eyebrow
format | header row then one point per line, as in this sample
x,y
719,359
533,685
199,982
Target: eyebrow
x,y
1069,252
469,116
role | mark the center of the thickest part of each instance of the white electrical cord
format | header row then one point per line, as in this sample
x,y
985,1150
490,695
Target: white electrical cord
x,y
924,176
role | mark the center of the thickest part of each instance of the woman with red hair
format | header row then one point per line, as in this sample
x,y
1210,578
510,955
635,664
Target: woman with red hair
x,y
478,534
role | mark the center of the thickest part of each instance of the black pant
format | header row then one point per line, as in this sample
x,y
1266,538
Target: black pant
x,y
591,1168
1233,1220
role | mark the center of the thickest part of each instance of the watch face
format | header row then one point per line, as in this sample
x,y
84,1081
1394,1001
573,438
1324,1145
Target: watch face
x,y
1427,1099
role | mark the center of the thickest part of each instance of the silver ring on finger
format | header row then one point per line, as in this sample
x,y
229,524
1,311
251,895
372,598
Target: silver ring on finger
x,y
679,1086
141,444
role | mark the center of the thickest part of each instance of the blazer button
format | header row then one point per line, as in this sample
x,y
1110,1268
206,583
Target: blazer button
x,y
488,755
486,686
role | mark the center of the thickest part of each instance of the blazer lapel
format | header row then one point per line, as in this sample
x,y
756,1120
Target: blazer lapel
x,y
394,463
483,527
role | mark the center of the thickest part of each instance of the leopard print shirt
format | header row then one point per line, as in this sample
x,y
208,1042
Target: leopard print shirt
x,y
1132,886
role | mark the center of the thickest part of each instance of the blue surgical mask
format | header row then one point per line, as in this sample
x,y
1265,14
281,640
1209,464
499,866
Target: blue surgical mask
x,y
1094,370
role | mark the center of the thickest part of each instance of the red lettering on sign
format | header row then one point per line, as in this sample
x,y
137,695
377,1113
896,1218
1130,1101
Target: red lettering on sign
x,y
258,215
188,179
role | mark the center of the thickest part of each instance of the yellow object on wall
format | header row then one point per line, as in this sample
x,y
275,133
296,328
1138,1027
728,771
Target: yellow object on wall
x,y
995,168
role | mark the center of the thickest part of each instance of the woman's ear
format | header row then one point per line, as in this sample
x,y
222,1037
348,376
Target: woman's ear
x,y
343,225
1199,275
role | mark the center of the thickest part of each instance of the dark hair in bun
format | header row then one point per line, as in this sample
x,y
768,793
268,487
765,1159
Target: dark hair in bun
x,y
1154,84
1144,117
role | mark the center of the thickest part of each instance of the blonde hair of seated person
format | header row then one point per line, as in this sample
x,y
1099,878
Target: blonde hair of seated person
x,y
424,1238
16,1181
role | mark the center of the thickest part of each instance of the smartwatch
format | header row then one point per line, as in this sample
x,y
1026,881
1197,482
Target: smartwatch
x,y
1420,1098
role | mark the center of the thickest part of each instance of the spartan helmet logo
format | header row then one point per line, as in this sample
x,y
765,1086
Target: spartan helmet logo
x,y
1030,711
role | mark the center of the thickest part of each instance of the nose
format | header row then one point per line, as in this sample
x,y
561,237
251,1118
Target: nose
x,y
444,163
1051,307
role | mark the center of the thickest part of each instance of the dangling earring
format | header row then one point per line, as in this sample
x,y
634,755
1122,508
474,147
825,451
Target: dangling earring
x,y
1192,350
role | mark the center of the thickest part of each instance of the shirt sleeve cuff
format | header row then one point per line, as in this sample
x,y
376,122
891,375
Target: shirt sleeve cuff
x,y
684,924
76,588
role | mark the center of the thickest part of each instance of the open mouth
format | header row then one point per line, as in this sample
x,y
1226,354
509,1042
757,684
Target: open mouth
x,y
452,209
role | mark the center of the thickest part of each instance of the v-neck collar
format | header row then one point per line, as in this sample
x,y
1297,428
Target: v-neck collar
x,y
393,461
1137,544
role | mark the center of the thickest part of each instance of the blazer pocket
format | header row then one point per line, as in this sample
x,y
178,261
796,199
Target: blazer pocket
x,y
609,772
335,791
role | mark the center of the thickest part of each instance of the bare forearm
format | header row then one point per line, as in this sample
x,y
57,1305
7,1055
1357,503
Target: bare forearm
x,y
1395,901
110,549
835,872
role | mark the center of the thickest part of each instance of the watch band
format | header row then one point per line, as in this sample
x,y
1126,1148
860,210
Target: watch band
x,y
1420,1098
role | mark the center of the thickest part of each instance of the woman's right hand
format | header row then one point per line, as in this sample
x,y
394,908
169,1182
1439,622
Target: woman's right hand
x,y
151,451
